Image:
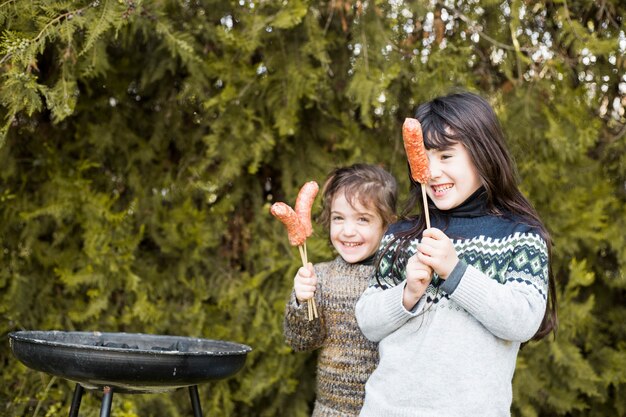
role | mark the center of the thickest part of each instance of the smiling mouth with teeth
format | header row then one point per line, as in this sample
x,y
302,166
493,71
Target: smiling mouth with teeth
x,y
441,188
352,244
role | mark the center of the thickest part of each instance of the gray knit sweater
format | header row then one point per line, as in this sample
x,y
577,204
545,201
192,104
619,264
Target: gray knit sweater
x,y
454,354
346,358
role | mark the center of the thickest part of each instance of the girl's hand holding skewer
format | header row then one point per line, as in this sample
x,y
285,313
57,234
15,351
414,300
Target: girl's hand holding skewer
x,y
305,283
437,251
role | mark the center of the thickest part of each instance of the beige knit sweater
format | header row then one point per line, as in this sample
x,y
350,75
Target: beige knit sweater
x,y
346,358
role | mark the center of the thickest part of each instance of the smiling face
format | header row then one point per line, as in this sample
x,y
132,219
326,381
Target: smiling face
x,y
355,230
453,176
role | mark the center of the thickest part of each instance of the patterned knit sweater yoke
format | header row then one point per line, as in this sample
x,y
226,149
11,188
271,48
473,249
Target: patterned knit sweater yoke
x,y
502,248
346,358
454,354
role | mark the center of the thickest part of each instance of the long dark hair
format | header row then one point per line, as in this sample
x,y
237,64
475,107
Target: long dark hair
x,y
468,119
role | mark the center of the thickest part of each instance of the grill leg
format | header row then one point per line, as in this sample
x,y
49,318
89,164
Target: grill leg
x,y
78,395
105,409
195,401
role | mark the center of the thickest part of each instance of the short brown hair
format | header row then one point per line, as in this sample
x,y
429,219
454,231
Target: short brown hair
x,y
370,184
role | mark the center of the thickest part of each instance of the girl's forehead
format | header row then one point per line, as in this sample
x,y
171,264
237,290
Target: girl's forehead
x,y
436,137
354,201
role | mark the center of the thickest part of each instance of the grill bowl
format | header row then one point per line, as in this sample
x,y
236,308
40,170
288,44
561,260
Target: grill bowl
x,y
128,362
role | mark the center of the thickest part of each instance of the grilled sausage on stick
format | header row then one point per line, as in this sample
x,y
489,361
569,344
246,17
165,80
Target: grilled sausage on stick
x,y
416,155
304,204
295,230
298,226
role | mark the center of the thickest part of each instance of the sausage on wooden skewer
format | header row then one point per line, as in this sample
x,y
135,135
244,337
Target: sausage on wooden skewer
x,y
295,230
415,150
417,157
304,204
299,227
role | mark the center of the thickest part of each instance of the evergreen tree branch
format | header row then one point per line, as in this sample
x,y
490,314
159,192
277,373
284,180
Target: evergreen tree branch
x,y
6,2
330,17
569,20
518,52
103,23
364,48
619,135
478,29
44,395
604,11
56,20
43,31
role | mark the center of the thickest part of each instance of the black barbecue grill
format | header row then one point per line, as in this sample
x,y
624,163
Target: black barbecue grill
x,y
128,362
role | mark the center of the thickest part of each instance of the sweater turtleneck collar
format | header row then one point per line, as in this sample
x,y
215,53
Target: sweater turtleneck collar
x,y
474,206
369,261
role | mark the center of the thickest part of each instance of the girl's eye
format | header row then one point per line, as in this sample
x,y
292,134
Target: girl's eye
x,y
446,156
336,218
364,220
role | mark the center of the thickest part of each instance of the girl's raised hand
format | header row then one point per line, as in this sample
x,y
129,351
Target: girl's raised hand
x,y
418,276
305,283
437,251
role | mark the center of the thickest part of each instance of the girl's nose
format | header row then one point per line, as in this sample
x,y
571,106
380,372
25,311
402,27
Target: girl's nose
x,y
435,169
349,228
435,172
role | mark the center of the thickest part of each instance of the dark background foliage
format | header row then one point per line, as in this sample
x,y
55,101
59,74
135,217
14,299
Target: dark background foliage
x,y
144,141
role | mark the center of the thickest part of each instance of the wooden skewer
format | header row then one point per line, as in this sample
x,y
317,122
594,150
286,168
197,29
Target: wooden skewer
x,y
302,257
312,308
425,206
313,304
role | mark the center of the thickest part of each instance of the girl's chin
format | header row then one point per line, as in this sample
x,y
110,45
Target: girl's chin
x,y
352,257
443,207
444,203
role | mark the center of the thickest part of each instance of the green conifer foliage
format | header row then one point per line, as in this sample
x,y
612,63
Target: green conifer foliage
x,y
142,143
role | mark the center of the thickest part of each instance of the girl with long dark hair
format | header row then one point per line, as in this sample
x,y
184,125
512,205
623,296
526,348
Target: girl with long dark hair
x,y
451,305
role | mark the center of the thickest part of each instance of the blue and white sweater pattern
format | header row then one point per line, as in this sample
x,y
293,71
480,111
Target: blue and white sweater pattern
x,y
520,257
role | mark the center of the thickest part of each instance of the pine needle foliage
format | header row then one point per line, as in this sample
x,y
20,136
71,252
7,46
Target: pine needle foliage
x,y
143,142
